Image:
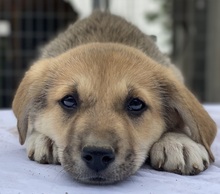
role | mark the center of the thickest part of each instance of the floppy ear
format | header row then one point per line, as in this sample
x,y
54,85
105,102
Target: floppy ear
x,y
179,101
25,100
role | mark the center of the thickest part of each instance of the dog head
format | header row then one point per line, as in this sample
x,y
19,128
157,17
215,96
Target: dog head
x,y
104,105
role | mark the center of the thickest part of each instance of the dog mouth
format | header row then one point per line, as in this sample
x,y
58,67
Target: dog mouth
x,y
94,178
98,180
106,177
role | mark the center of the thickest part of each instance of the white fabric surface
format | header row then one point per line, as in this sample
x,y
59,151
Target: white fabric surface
x,y
19,175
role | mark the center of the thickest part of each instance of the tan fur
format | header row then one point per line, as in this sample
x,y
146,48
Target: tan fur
x,y
104,75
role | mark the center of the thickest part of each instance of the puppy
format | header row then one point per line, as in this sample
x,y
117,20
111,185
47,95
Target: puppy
x,y
101,99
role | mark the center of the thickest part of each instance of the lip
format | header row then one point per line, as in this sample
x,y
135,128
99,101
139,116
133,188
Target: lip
x,y
97,180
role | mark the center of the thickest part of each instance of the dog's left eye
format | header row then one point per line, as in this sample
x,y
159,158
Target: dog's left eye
x,y
136,106
68,102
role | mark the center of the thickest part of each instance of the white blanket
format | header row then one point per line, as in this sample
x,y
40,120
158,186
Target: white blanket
x,y
19,175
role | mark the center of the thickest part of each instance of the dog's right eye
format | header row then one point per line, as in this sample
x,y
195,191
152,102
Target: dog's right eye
x,y
69,102
135,106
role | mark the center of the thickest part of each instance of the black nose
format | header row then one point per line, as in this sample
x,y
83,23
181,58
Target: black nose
x,y
97,158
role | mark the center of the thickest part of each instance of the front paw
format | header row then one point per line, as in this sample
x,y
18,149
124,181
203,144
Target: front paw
x,y
177,153
42,149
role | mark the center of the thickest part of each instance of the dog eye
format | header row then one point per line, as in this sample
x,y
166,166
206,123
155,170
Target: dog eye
x,y
136,106
69,102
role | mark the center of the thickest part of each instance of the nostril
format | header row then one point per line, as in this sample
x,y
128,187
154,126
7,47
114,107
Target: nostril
x,y
108,159
88,158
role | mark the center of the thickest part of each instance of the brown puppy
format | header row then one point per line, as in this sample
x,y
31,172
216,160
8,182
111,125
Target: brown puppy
x,y
102,99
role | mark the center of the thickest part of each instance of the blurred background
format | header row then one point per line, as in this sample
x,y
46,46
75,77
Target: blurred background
x,y
186,30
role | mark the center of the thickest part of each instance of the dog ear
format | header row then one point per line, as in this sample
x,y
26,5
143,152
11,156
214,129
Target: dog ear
x,y
25,97
183,109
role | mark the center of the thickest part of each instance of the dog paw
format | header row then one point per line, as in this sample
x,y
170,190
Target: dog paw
x,y
177,153
42,149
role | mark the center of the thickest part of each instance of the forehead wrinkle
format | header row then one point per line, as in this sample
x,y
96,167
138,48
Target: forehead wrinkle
x,y
61,89
138,91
